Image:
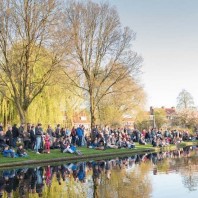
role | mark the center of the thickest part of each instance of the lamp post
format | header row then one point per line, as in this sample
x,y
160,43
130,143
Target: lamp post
x,y
152,116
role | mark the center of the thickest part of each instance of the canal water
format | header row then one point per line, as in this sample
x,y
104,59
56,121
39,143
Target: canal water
x,y
158,175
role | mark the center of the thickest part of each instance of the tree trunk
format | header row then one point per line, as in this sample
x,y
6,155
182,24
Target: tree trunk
x,y
93,119
92,110
22,113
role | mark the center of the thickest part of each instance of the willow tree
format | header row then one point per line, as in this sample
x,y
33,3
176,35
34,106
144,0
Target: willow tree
x,y
27,59
54,105
100,50
7,111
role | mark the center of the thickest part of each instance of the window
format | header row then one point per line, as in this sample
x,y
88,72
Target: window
x,y
83,118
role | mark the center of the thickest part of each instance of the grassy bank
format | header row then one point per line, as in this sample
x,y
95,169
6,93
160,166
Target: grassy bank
x,y
55,153
57,156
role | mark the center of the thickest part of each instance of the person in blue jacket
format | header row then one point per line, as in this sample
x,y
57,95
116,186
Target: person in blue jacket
x,y
9,152
81,172
79,133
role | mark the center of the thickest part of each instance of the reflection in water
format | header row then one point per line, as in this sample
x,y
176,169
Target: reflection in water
x,y
117,178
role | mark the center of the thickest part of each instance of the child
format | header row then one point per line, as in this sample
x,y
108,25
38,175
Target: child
x,y
8,152
47,143
21,151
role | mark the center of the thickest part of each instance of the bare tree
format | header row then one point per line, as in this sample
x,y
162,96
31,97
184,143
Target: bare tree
x,y
186,118
100,52
27,59
185,100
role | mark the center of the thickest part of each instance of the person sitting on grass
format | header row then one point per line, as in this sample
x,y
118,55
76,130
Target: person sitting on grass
x,y
63,144
142,141
97,144
130,143
100,146
8,152
124,143
56,144
162,142
88,140
2,143
111,144
67,147
154,142
93,144
21,152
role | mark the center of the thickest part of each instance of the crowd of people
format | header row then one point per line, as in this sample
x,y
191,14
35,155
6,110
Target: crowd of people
x,y
35,138
34,180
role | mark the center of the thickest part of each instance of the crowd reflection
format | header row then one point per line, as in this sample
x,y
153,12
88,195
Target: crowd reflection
x,y
24,182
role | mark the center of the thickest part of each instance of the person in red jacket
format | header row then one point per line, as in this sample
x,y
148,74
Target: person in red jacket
x,y
47,143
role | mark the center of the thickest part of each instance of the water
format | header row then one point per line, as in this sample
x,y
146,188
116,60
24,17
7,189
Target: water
x,y
161,175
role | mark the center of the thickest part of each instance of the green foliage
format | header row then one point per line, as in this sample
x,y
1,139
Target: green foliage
x,y
87,44
8,112
160,117
144,124
55,105
142,120
110,115
125,101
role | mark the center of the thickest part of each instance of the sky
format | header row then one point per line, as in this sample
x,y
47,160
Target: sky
x,y
167,39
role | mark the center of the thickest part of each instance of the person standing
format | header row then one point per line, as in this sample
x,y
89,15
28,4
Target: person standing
x,y
94,133
8,136
21,130
106,135
15,134
32,137
51,133
26,140
84,143
39,134
73,136
79,133
49,130
58,131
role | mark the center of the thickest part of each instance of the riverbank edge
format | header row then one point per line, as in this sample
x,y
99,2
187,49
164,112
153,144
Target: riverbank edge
x,y
93,156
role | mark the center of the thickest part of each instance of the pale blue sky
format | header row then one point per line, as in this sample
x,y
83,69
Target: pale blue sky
x,y
167,38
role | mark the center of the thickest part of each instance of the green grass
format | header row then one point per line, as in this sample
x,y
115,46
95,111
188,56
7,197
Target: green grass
x,y
55,153
85,151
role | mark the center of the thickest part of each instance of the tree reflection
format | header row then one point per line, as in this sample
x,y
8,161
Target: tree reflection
x,y
190,182
125,181
117,178
189,173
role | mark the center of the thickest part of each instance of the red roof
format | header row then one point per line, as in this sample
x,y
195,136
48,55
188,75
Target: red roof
x,y
81,118
170,111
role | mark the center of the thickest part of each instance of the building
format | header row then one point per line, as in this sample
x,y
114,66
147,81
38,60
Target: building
x,y
170,113
81,118
128,121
